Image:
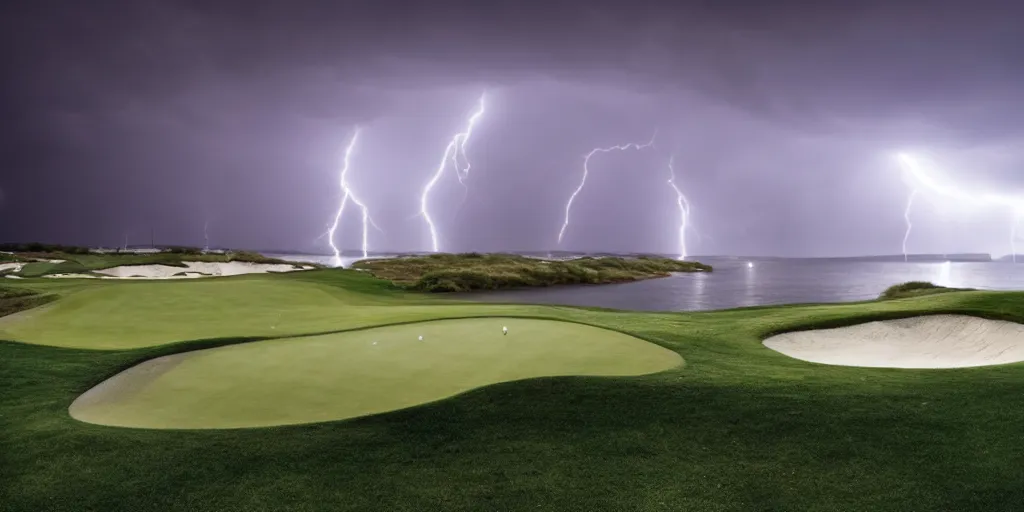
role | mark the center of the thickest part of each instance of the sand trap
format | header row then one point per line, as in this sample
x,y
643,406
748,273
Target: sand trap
x,y
12,277
16,267
939,341
70,276
195,269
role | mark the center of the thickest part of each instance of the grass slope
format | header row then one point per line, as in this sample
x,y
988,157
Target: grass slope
x,y
916,289
739,428
15,299
357,373
121,315
474,271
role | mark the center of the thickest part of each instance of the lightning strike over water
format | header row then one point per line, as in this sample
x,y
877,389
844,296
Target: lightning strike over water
x,y
586,172
684,209
346,195
906,218
456,146
1013,233
921,176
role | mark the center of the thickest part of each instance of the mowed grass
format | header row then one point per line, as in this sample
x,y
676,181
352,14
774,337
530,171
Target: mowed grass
x,y
357,373
147,313
737,428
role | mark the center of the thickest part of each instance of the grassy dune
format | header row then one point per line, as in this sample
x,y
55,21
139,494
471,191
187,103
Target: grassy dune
x,y
739,427
916,289
473,271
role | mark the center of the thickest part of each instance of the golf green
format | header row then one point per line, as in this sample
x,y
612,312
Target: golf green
x,y
357,373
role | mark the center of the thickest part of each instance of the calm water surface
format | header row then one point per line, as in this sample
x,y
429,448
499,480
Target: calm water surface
x,y
755,283
737,283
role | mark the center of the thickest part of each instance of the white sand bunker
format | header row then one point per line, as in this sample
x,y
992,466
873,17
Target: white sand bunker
x,y
70,276
196,269
939,341
15,267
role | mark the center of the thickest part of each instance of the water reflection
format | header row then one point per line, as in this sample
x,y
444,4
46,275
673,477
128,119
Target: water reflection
x,y
737,283
944,275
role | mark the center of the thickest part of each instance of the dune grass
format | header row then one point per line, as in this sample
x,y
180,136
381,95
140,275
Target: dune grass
x,y
738,428
916,289
474,271
13,299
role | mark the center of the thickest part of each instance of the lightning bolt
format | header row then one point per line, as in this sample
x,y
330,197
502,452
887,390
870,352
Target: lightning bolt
x,y
586,172
684,208
206,236
347,194
456,146
906,219
918,172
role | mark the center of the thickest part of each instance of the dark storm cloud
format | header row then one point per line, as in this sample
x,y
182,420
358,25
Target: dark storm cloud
x,y
157,115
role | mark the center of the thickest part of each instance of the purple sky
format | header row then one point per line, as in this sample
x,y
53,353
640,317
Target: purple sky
x,y
131,116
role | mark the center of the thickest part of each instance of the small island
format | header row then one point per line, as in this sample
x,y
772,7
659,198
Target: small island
x,y
474,271
917,289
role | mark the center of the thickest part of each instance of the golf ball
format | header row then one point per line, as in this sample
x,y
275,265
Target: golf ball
x,y
421,338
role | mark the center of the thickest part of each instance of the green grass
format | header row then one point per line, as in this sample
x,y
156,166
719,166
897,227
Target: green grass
x,y
14,299
916,289
357,373
474,271
738,428
7,257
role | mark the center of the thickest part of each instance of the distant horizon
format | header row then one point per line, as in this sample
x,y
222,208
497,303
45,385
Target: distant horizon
x,y
966,256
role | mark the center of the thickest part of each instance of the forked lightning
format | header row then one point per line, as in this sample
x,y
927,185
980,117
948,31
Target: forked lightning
x,y
684,208
586,172
456,147
917,171
346,195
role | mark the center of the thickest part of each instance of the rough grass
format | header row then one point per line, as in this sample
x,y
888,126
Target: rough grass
x,y
13,300
738,428
916,289
7,257
75,263
474,271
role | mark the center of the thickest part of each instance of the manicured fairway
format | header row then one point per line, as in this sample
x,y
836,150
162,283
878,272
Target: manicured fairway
x,y
125,315
344,375
738,427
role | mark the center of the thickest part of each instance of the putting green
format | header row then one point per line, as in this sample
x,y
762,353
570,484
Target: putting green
x,y
357,373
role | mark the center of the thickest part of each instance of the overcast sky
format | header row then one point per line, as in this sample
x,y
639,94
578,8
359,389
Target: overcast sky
x,y
159,116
